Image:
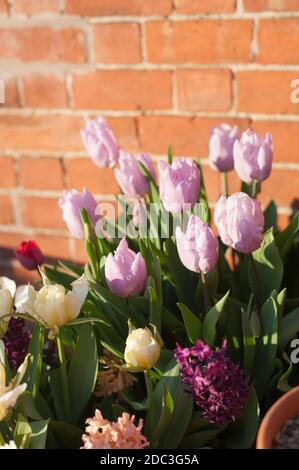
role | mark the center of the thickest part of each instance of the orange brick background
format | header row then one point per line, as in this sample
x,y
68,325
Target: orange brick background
x,y
161,71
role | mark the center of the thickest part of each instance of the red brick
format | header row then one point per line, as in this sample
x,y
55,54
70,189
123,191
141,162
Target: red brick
x,y
118,7
50,133
21,275
203,41
125,130
283,221
7,173
271,5
282,185
3,6
41,212
34,7
81,172
279,41
122,89
204,6
204,90
266,92
42,44
11,97
53,246
285,138
6,210
188,136
44,91
117,43
41,173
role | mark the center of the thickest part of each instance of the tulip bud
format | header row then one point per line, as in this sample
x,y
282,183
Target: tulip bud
x,y
29,255
240,222
100,143
53,305
129,176
253,156
125,271
221,145
198,247
142,349
179,184
71,204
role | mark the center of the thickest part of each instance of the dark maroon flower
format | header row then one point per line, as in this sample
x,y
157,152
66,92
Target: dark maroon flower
x,y
29,255
217,384
16,342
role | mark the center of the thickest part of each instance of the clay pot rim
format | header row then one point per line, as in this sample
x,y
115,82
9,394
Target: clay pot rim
x,y
282,410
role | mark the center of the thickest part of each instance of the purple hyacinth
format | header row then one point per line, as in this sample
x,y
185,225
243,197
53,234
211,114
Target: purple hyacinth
x,y
217,384
16,341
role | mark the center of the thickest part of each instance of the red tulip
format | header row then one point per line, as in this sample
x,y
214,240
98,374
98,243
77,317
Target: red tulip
x,y
29,255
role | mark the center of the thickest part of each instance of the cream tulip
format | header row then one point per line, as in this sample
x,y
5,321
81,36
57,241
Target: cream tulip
x,y
142,349
7,292
53,306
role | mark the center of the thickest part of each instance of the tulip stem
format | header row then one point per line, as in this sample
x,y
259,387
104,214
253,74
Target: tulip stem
x,y
205,291
150,397
257,278
254,189
64,378
223,183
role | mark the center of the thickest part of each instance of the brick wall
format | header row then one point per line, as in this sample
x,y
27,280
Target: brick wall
x,y
161,71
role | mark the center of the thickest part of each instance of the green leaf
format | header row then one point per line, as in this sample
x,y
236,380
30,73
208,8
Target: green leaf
x,y
91,320
283,383
270,214
39,434
33,372
285,239
249,340
165,416
83,369
211,319
192,323
267,274
155,311
266,347
22,432
242,433
289,328
183,406
205,211
72,268
56,392
170,155
67,435
200,438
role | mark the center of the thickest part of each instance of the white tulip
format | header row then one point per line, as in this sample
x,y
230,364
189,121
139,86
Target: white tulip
x,y
142,349
10,445
52,305
7,292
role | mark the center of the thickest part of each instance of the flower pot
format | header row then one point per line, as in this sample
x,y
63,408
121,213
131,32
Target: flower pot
x,y
282,410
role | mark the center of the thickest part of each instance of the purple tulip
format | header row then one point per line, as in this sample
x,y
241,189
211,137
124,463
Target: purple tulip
x,y
100,143
221,145
253,156
179,184
198,246
129,176
71,204
240,222
125,271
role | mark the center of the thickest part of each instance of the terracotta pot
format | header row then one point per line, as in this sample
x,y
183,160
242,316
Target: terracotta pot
x,y
282,410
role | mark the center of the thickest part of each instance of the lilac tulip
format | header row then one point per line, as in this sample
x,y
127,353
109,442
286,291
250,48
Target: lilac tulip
x,y
100,143
179,184
125,271
71,204
253,156
221,145
129,176
240,222
198,246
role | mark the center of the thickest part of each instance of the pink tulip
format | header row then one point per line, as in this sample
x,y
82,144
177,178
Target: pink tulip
x,y
100,143
240,222
129,176
198,246
139,213
71,204
253,156
125,271
221,145
179,184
